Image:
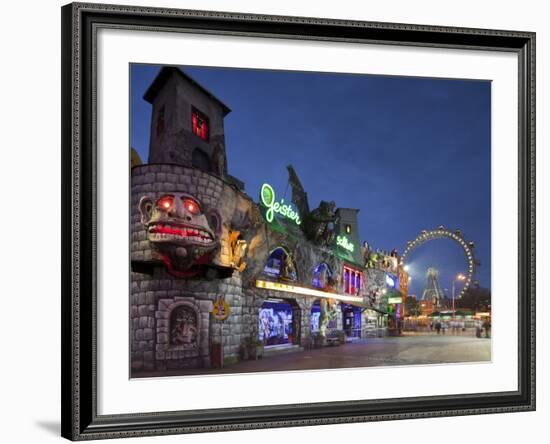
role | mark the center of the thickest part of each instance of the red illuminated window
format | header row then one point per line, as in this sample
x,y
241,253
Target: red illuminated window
x,y
353,281
200,125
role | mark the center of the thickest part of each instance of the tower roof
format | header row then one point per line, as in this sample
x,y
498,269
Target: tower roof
x,y
165,73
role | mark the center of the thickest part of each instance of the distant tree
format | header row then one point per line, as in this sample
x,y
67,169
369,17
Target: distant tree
x,y
412,306
476,299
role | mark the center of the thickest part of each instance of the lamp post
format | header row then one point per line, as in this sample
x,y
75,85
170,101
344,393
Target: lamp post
x,y
459,277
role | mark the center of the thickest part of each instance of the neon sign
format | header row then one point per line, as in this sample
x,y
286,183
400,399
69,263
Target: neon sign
x,y
267,196
342,241
395,300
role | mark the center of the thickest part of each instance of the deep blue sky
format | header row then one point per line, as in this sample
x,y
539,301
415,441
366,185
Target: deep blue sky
x,y
410,153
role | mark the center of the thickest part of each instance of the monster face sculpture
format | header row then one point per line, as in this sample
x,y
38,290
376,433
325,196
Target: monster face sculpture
x,y
183,232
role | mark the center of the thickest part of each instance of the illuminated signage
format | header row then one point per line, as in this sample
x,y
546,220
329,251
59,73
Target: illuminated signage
x,y
278,286
395,300
342,241
267,196
390,281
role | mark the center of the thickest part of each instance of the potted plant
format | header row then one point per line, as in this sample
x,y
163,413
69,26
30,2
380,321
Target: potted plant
x,y
318,340
243,351
255,348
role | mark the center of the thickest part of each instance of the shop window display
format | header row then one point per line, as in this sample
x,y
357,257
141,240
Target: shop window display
x,y
275,323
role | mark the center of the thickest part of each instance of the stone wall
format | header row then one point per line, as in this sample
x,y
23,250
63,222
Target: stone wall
x,y
193,352
375,284
155,293
153,299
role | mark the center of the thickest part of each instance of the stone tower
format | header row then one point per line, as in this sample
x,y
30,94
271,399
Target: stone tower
x,y
348,228
187,123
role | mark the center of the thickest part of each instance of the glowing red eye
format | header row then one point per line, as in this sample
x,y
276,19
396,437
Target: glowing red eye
x,y
165,202
191,206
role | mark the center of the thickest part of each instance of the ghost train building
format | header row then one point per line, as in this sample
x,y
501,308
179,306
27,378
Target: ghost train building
x,y
215,273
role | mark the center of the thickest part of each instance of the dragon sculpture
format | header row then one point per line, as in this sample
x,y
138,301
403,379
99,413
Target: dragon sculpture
x,y
317,225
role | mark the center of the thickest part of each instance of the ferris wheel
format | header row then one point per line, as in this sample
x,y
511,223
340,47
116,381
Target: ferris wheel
x,y
443,233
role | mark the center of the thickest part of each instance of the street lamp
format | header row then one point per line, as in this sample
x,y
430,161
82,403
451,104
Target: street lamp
x,y
459,277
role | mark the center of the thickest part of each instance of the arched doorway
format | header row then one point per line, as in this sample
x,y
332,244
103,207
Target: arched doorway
x,y
279,322
323,316
351,317
315,317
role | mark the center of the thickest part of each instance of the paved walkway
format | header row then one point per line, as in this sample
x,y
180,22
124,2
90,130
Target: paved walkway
x,y
404,350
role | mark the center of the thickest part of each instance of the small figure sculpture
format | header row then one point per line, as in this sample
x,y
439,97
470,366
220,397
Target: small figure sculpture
x,y
288,271
237,250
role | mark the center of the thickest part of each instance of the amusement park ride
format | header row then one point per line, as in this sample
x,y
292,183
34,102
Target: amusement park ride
x,y
433,292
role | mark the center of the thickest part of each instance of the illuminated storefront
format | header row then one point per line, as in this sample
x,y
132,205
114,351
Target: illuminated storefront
x,y
351,316
275,322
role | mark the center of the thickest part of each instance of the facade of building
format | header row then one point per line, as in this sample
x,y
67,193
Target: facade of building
x,y
213,271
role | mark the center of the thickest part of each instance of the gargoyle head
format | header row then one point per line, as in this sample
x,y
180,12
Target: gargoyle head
x,y
181,230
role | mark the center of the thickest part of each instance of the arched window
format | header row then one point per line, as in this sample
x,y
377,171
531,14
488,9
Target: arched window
x,y
322,276
280,265
201,161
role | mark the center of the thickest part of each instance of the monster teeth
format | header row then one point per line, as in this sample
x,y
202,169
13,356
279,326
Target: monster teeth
x,y
156,233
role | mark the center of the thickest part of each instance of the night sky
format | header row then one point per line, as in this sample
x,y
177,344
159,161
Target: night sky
x,y
410,153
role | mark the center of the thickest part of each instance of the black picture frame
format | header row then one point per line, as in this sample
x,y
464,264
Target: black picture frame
x,y
79,386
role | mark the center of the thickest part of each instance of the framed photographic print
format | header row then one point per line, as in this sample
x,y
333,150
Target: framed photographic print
x,y
278,221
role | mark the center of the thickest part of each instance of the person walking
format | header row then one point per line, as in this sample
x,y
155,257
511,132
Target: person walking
x,y
438,327
455,327
487,327
478,328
